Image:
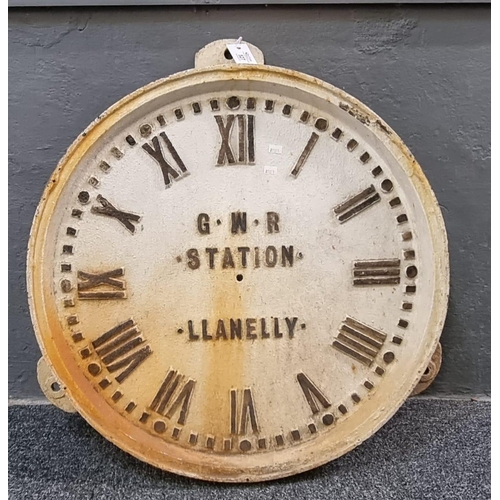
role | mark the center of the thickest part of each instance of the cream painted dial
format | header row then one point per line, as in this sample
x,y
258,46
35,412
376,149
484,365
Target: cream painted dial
x,y
238,273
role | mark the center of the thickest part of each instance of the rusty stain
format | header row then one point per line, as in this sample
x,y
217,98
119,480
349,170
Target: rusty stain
x,y
227,303
363,118
383,127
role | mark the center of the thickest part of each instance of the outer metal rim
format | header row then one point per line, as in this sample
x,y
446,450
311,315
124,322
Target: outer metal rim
x,y
79,390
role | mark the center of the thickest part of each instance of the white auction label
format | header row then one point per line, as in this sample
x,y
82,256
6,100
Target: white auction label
x,y
241,53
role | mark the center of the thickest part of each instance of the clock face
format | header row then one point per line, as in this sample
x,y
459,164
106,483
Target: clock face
x,y
238,274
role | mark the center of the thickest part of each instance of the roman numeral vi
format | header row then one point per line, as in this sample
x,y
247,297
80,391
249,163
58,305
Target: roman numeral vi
x,y
247,413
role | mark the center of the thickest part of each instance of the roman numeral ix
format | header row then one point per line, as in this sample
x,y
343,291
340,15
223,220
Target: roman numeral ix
x,y
156,152
245,142
92,286
359,341
356,204
122,349
376,272
174,394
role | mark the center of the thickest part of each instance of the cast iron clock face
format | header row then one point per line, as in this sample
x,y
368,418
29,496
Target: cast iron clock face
x,y
238,273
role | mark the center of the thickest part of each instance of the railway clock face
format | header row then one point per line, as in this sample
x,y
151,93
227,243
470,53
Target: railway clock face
x,y
238,273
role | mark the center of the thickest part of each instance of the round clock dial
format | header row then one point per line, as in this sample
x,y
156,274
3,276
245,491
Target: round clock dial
x,y
238,273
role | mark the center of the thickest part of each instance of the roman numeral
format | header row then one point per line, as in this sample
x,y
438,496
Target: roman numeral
x,y
109,210
356,204
90,285
312,394
305,154
376,272
246,412
359,341
156,152
246,139
121,349
175,393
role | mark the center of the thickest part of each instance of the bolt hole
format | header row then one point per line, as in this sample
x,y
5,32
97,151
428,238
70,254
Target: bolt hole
x,y
227,54
239,277
55,386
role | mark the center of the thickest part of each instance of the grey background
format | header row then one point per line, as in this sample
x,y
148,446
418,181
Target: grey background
x,y
444,456
73,3
424,69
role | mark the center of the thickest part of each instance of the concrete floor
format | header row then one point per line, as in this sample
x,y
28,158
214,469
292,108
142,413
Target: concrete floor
x,y
431,449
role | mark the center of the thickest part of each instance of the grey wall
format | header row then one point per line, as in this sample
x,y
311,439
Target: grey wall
x,y
425,69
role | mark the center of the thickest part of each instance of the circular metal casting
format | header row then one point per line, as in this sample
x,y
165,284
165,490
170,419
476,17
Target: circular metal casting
x,y
238,273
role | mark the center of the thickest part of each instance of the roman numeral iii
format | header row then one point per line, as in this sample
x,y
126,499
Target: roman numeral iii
x,y
376,272
245,140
